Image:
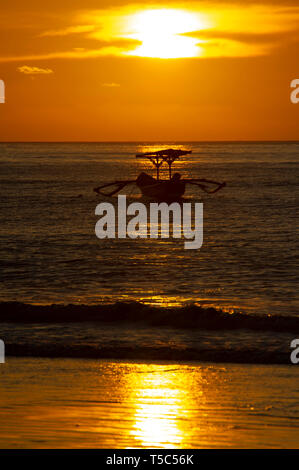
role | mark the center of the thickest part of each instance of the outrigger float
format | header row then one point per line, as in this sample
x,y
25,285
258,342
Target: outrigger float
x,y
172,188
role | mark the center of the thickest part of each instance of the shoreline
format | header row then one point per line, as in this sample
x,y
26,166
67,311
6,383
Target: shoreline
x,y
153,354
65,403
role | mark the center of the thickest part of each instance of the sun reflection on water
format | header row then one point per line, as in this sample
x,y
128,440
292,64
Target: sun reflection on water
x,y
161,403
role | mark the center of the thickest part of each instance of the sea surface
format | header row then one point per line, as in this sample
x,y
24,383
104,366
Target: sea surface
x,y
235,299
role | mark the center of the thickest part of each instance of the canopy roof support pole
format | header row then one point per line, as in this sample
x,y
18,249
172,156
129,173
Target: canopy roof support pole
x,y
157,163
170,161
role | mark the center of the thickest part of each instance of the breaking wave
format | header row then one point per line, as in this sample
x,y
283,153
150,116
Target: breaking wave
x,y
135,331
186,317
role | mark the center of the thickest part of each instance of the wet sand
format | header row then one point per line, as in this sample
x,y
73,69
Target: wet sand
x,y
66,403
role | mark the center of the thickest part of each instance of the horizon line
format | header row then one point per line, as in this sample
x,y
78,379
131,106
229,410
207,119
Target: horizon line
x,y
142,141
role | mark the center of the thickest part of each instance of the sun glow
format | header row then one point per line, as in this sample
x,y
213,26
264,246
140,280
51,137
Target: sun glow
x,y
161,33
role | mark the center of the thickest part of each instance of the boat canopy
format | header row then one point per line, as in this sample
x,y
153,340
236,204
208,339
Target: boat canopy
x,y
161,156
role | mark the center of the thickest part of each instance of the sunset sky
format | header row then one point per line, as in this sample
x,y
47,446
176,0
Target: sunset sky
x,y
128,71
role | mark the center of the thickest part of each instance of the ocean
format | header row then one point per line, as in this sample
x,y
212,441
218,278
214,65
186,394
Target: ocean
x,y
70,294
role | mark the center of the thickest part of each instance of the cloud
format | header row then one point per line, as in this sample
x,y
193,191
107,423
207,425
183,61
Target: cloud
x,y
229,30
73,54
247,37
219,43
28,70
80,29
107,48
111,85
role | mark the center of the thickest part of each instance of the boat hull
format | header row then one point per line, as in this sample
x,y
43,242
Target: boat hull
x,y
162,190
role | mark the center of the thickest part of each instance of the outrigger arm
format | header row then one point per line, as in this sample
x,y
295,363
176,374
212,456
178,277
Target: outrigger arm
x,y
197,182
119,186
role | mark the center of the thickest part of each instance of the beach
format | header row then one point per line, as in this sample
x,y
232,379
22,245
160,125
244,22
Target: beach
x,y
67,403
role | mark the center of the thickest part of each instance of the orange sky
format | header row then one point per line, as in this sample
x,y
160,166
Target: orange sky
x,y
126,71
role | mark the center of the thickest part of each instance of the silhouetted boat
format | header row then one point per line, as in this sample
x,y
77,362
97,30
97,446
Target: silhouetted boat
x,y
172,188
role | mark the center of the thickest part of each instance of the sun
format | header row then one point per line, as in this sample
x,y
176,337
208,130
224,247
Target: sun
x,y
161,33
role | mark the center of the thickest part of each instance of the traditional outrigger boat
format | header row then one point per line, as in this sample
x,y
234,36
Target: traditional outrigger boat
x,y
172,188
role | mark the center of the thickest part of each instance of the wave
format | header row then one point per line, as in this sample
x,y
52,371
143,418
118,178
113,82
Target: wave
x,y
185,317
